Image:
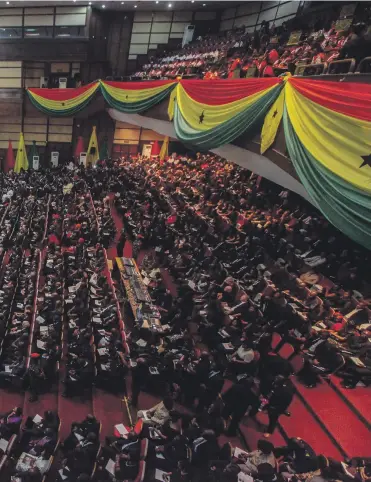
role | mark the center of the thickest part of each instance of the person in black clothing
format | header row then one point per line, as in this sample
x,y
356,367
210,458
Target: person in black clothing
x,y
299,456
358,46
120,244
237,400
139,375
211,388
280,399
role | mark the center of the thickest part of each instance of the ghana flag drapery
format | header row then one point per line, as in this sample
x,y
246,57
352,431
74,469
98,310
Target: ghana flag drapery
x,y
212,113
328,136
62,102
134,97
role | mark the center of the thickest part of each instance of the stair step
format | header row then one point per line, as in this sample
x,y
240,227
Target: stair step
x,y
337,418
359,398
302,424
252,432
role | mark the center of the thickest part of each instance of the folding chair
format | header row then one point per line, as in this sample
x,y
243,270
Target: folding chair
x,y
143,448
276,340
141,471
286,351
297,363
11,444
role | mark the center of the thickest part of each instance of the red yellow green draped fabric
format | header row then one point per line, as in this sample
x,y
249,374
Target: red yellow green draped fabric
x,y
212,113
62,102
328,136
327,128
134,97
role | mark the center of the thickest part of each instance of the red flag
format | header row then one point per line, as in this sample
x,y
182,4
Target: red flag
x,y
155,149
9,160
79,148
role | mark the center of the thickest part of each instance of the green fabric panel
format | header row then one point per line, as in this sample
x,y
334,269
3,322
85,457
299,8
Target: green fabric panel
x,y
345,206
58,113
245,121
135,107
103,151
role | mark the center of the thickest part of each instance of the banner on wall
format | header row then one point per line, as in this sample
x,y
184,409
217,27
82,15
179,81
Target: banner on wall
x,y
36,162
147,150
83,156
54,159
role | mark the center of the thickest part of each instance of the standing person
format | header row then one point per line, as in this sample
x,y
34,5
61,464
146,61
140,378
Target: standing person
x,y
139,374
120,244
280,399
237,400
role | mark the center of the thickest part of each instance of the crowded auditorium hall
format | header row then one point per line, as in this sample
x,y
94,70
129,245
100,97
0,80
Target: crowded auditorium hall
x,y
185,236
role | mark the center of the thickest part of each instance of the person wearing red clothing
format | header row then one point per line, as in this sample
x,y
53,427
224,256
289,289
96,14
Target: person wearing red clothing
x,y
233,68
319,56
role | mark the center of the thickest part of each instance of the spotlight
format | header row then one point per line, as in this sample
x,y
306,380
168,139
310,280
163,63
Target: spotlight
x,y
170,5
103,6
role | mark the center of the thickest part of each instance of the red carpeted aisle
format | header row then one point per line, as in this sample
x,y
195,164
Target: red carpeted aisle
x,y
340,421
359,398
302,424
110,409
252,432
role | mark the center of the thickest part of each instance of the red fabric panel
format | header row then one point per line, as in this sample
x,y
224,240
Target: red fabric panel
x,y
218,92
146,84
348,98
61,94
9,159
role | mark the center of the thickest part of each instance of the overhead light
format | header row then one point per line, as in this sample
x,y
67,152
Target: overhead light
x,y
135,6
122,3
193,1
170,5
157,1
103,6
89,3
7,3
204,4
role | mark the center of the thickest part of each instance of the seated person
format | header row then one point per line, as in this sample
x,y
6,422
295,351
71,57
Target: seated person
x,y
159,414
89,425
44,444
264,454
10,422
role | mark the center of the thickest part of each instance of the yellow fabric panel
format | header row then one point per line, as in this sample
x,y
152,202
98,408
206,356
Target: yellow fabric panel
x,y
66,104
335,140
271,122
129,95
213,115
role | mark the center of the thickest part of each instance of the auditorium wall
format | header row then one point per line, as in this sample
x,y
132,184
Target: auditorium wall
x,y
152,30
252,14
129,139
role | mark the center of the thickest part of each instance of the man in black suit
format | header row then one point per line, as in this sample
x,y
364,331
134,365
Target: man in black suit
x,y
279,401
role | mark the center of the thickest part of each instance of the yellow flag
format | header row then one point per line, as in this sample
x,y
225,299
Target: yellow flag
x,y
171,105
21,161
164,149
271,122
93,151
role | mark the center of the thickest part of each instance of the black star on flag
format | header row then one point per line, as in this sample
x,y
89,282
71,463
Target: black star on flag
x,y
62,103
202,117
366,161
275,113
127,97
